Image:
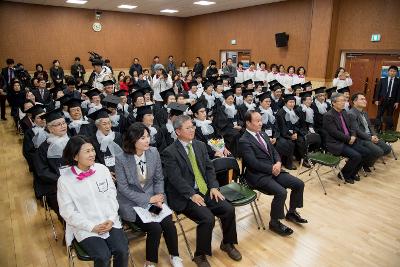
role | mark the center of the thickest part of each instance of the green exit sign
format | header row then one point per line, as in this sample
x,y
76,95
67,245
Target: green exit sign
x,y
376,37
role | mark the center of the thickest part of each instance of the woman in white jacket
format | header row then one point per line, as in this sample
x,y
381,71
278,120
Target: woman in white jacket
x,y
342,79
88,203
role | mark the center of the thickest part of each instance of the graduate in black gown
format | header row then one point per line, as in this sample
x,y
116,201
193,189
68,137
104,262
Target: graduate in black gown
x,y
117,117
161,111
49,161
95,100
34,136
167,130
276,97
145,115
208,98
248,103
205,130
320,107
291,129
78,123
106,142
227,122
137,100
284,147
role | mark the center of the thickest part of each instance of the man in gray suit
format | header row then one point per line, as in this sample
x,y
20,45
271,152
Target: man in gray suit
x,y
364,129
192,189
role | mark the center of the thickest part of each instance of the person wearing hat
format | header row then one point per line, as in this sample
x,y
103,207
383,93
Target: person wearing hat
x,y
320,107
297,89
100,73
257,90
276,96
219,97
290,128
237,89
250,73
34,136
248,103
208,97
123,105
329,93
136,100
71,90
25,121
205,130
284,147
106,142
228,123
345,91
78,124
78,70
306,116
108,88
225,82
212,71
60,103
117,117
95,100
365,131
193,90
161,82
307,86
167,129
49,160
145,115
161,112
16,98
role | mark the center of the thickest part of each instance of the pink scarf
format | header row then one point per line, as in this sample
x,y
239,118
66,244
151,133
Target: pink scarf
x,y
82,175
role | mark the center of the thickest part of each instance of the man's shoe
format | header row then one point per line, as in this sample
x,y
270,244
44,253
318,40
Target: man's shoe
x,y
201,261
232,252
347,180
356,177
367,169
295,217
280,229
291,167
306,164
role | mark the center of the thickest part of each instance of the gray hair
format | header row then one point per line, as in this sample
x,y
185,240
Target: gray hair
x,y
335,96
158,66
180,120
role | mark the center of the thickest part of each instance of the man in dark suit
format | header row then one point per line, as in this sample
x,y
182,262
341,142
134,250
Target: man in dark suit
x,y
387,98
192,189
42,95
8,74
341,139
263,172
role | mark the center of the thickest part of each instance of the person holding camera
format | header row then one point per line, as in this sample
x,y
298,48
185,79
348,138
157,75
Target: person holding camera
x,y
161,82
141,184
342,79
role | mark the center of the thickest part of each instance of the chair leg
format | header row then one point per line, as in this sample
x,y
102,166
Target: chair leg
x,y
70,257
184,236
131,258
320,181
393,153
53,227
363,172
47,211
340,174
258,196
286,208
45,207
259,215
301,165
310,171
255,216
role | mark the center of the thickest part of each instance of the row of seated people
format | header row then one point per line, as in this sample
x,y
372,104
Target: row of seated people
x,y
238,125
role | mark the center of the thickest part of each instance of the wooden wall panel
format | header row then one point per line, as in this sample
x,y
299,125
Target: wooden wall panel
x,y
35,33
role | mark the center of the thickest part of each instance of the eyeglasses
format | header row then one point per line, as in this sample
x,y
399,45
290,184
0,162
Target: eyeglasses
x,y
58,124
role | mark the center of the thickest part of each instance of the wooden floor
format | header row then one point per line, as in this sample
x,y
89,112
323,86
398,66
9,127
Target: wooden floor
x,y
354,225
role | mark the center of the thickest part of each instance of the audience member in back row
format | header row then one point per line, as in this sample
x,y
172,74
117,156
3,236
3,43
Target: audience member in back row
x,y
88,203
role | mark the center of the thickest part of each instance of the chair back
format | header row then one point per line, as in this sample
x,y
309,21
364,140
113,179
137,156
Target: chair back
x,y
223,166
311,139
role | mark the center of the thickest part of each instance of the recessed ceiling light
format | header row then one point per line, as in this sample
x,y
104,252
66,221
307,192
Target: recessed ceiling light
x,y
168,11
79,2
204,3
127,6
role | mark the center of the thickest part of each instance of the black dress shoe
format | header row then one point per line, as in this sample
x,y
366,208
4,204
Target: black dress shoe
x,y
347,180
291,167
280,229
367,169
232,252
306,164
295,217
201,261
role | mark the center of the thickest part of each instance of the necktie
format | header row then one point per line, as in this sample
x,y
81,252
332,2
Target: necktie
x,y
264,148
344,127
198,177
82,175
389,89
41,93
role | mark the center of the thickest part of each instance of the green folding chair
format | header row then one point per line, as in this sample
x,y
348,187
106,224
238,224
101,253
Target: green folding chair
x,y
389,138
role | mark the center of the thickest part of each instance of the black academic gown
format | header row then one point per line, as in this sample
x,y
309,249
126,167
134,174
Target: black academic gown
x,y
205,138
277,105
167,137
160,115
158,139
308,128
101,156
28,148
318,122
25,123
87,130
122,123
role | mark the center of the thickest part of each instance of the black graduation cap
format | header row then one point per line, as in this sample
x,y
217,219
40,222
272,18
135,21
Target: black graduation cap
x,y
71,81
296,86
277,86
330,91
192,83
247,92
319,90
63,100
208,84
219,82
136,94
177,109
166,93
119,93
263,96
143,110
305,94
93,92
258,83
237,85
99,114
247,82
55,114
85,87
111,101
343,90
108,82
54,90
306,84
227,93
271,83
197,106
35,110
97,62
288,97
224,77
73,102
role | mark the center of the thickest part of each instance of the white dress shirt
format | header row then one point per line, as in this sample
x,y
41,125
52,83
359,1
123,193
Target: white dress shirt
x,y
86,203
